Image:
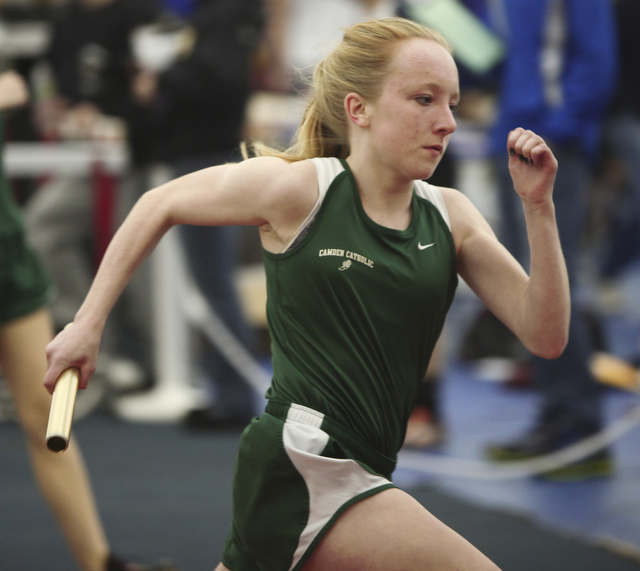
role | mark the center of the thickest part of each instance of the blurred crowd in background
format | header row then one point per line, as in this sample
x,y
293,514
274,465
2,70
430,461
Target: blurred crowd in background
x,y
171,86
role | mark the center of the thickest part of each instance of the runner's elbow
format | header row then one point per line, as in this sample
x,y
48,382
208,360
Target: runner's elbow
x,y
549,346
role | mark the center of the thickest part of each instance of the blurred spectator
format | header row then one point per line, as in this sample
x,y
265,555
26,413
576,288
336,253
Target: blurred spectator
x,y
557,80
90,61
622,142
194,102
619,211
302,32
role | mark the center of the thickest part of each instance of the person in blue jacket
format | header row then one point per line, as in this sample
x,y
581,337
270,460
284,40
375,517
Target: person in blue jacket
x,y
557,78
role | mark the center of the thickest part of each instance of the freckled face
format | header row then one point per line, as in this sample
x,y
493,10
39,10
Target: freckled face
x,y
412,120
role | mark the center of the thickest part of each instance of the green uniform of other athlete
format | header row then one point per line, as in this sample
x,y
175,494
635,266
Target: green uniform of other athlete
x,y
24,286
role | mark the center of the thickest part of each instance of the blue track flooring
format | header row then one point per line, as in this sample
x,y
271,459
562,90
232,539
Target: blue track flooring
x,y
477,412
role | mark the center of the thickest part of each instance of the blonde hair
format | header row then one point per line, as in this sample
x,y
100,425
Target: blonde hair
x,y
358,64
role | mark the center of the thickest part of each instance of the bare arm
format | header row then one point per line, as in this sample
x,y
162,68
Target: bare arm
x,y
265,192
13,90
536,307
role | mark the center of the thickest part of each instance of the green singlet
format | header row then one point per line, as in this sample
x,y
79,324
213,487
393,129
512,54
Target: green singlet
x,y
355,308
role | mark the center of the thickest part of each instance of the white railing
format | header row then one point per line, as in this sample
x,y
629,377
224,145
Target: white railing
x,y
177,304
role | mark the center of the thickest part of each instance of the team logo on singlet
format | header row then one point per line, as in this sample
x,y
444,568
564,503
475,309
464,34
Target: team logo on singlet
x,y
349,255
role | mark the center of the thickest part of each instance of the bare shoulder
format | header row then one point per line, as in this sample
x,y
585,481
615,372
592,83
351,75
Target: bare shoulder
x,y
465,218
295,183
289,192
262,191
275,183
456,201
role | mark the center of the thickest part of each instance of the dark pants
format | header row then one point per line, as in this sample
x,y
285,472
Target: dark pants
x,y
211,254
569,393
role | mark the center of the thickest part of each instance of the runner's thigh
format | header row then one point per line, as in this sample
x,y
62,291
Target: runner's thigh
x,y
391,531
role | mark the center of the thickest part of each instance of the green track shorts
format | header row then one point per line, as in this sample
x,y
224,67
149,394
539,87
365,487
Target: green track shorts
x,y
296,472
24,284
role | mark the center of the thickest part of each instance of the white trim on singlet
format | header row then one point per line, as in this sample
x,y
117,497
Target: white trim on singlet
x,y
434,195
327,169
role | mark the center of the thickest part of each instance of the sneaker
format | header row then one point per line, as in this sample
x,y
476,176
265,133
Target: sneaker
x,y
548,438
598,465
114,563
423,430
538,441
424,427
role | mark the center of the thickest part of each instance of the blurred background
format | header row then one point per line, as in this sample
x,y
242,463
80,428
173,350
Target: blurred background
x,y
539,466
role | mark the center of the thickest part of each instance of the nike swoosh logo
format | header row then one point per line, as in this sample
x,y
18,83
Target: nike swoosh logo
x,y
425,246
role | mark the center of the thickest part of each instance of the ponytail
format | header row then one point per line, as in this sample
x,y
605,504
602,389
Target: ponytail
x,y
359,64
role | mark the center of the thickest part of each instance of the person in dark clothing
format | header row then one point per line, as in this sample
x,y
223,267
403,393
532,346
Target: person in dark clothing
x,y
91,64
619,360
622,142
558,78
90,51
196,108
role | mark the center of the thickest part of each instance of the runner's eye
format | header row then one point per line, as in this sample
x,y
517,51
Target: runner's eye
x,y
424,99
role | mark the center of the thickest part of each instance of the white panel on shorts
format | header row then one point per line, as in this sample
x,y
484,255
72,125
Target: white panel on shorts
x,y
331,482
305,415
